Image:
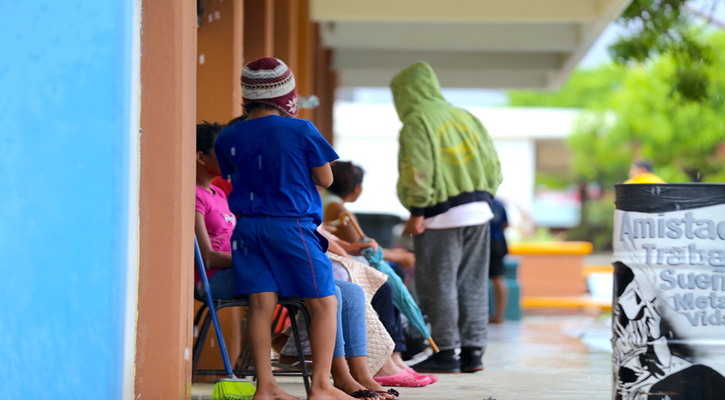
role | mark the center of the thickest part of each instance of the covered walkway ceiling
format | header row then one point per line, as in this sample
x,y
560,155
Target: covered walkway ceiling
x,y
531,44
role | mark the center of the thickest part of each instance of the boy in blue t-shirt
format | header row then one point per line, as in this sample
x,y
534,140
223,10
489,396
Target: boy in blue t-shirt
x,y
274,162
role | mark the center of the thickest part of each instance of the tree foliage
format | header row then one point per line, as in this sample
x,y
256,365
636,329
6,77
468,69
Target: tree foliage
x,y
683,138
635,114
584,89
632,112
668,27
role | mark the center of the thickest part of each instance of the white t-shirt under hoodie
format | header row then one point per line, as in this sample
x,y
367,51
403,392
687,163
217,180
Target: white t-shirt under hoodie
x,y
475,213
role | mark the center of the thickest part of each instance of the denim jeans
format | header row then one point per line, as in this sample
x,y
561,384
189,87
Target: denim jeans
x,y
351,328
351,336
222,284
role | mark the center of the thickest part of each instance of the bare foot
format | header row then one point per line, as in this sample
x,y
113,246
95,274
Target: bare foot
x,y
349,385
273,394
495,319
328,393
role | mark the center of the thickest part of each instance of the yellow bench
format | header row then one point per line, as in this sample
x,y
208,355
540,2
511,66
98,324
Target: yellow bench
x,y
565,302
597,269
551,248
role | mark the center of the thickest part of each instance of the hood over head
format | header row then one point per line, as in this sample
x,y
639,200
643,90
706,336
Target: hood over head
x,y
414,87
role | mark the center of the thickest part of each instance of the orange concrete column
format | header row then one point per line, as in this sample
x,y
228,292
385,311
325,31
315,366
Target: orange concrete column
x,y
285,32
219,99
238,60
304,71
168,102
258,29
219,61
325,84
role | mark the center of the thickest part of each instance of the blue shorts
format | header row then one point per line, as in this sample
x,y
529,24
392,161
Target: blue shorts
x,y
283,255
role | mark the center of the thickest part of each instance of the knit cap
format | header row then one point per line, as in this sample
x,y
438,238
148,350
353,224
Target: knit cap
x,y
268,80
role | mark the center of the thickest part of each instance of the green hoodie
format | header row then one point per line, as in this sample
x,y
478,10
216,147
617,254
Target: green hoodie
x,y
446,156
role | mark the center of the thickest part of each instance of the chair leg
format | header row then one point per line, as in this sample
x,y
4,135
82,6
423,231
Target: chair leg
x,y
292,312
308,324
292,307
199,314
245,356
197,319
199,344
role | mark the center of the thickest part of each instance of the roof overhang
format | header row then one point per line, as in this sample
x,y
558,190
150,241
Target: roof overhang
x,y
470,43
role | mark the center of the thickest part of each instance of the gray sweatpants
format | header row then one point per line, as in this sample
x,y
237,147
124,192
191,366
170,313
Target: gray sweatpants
x,y
452,284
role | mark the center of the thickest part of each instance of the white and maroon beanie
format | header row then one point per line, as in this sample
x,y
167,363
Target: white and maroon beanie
x,y
268,80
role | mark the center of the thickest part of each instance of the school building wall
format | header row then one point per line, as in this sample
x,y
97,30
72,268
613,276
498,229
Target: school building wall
x,y
69,212
98,137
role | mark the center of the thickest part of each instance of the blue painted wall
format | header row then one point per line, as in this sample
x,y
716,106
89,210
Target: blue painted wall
x,y
65,84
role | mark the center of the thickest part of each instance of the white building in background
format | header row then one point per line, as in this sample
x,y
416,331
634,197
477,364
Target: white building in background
x,y
527,140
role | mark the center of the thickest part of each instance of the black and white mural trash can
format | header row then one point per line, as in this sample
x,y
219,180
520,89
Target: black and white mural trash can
x,y
668,315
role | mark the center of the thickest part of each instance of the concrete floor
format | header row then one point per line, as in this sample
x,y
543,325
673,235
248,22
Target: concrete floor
x,y
540,357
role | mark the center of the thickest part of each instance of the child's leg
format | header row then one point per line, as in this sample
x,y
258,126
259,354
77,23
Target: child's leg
x,y
323,312
339,350
360,372
397,359
343,380
382,302
352,319
259,320
500,293
352,374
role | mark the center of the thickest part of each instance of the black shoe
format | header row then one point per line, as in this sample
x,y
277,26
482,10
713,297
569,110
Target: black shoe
x,y
471,359
444,362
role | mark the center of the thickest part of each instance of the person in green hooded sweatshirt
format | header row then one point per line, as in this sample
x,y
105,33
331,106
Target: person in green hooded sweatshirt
x,y
449,172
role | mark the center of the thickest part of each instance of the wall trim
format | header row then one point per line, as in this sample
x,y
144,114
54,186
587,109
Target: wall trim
x,y
134,165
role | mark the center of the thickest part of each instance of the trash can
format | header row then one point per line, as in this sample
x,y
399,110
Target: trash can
x,y
668,315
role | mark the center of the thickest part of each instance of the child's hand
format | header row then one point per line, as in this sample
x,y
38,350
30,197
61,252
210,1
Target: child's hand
x,y
331,226
354,248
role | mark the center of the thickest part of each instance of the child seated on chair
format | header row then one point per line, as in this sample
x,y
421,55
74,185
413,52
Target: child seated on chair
x,y
274,161
213,222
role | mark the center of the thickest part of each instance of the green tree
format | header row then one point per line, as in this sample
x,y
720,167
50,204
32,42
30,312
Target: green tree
x,y
632,112
682,138
670,27
584,89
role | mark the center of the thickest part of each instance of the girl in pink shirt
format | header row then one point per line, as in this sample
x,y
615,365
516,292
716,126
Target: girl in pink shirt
x,y
213,222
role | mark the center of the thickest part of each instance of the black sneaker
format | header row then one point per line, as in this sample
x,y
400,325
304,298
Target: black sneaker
x,y
471,359
444,362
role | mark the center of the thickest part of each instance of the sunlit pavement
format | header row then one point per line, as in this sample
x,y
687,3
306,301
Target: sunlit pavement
x,y
540,357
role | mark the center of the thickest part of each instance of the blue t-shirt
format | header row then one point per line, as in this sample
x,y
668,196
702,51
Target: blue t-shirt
x,y
269,162
499,219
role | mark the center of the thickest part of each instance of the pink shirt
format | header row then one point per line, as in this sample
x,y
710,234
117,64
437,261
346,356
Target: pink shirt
x,y
219,220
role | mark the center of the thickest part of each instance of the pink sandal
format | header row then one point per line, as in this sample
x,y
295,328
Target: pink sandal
x,y
432,378
403,378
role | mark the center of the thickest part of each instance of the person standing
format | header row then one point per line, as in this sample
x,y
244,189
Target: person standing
x,y
449,171
641,172
499,249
